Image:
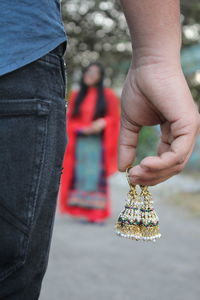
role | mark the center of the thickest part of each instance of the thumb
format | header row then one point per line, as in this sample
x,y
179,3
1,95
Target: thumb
x,y
128,141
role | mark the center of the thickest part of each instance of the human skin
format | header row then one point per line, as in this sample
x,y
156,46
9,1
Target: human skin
x,y
96,127
156,92
91,78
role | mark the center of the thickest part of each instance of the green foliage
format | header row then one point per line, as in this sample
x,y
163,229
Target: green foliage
x,y
148,140
97,30
191,36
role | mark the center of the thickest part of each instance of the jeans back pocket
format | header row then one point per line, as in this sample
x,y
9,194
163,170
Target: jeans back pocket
x,y
23,132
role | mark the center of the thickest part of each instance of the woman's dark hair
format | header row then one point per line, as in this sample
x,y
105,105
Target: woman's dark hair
x,y
101,102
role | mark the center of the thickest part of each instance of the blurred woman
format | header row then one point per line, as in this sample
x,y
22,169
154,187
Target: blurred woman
x,y
91,155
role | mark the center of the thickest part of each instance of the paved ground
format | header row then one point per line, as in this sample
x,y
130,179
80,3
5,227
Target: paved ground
x,y
88,262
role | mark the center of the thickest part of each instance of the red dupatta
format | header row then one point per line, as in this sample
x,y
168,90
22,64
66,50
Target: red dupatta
x,y
110,138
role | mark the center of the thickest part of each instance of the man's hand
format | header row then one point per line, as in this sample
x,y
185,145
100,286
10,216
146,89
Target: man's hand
x,y
156,93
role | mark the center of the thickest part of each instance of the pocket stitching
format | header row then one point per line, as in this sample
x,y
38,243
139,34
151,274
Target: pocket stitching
x,y
41,138
35,187
20,226
30,107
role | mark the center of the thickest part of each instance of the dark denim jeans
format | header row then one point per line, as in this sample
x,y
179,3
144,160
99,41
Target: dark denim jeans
x,y
32,144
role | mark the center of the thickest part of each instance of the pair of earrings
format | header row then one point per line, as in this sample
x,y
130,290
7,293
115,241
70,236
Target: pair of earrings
x,y
138,220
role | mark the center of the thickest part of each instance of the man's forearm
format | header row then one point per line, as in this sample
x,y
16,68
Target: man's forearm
x,y
154,27
155,92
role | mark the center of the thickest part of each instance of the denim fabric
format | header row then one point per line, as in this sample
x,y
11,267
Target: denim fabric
x,y
32,144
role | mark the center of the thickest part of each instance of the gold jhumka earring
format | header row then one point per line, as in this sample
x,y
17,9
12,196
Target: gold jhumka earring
x,y
149,222
138,220
128,224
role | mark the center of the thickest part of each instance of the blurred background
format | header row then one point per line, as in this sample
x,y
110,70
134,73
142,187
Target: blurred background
x,y
88,261
97,30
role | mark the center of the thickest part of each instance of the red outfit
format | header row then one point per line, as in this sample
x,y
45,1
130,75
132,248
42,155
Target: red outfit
x,y
110,140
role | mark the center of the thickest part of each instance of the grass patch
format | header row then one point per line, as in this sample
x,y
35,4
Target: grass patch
x,y
190,201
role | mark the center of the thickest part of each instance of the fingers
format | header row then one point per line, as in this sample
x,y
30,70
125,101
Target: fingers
x,y
127,144
176,155
153,170
139,175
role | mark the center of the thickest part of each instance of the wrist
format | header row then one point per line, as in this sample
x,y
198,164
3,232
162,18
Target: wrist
x,y
155,46
151,56
156,63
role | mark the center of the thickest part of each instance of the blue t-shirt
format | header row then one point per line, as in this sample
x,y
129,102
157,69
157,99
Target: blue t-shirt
x,y
29,29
